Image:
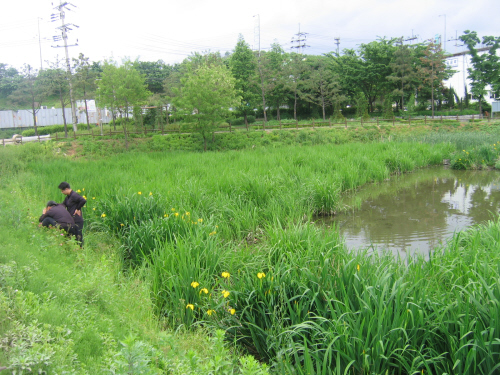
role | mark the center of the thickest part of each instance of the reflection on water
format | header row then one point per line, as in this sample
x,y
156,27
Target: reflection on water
x,y
417,212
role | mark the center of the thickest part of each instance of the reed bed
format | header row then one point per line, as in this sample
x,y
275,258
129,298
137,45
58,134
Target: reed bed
x,y
226,241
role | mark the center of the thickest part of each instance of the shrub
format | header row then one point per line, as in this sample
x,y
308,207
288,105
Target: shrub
x,y
51,129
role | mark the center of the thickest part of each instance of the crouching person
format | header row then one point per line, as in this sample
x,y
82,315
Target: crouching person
x,y
56,215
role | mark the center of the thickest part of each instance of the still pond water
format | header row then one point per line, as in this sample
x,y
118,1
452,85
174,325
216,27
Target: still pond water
x,y
419,211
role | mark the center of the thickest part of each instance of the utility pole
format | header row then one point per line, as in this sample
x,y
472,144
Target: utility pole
x,y
65,27
256,32
444,39
40,43
300,41
337,42
456,45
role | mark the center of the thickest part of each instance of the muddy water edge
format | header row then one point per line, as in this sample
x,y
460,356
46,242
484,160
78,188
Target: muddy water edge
x,y
415,213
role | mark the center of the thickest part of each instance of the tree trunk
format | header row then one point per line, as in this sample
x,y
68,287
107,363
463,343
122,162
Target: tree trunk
x,y
34,120
295,105
64,114
33,110
263,93
125,130
323,107
432,89
86,107
246,119
278,115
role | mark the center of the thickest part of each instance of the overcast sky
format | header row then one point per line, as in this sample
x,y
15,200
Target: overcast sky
x,y
172,30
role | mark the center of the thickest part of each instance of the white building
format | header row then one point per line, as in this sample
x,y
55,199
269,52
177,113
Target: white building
x,y
460,62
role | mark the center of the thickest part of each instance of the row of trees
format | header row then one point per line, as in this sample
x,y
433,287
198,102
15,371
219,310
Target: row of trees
x,y
29,88
378,76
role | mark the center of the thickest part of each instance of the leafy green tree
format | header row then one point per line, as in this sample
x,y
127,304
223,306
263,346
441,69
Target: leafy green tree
x,y
404,72
433,69
31,92
207,96
485,67
321,86
366,69
58,84
9,80
388,111
275,59
294,70
84,80
243,66
121,88
362,107
155,73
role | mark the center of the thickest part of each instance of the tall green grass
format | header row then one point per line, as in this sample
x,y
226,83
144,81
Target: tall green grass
x,y
225,240
474,150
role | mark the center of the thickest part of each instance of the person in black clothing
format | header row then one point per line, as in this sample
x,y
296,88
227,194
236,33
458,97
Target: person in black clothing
x,y
56,215
74,203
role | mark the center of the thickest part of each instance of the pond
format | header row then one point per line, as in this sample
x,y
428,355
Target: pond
x,y
419,211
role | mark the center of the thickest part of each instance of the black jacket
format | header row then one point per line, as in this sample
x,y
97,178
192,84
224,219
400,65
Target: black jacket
x,y
60,215
73,202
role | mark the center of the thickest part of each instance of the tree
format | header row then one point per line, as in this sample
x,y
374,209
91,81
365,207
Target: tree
x,y
121,88
32,91
321,85
388,112
403,72
275,62
433,69
243,67
84,81
155,73
362,107
367,70
9,80
485,67
58,85
207,96
294,70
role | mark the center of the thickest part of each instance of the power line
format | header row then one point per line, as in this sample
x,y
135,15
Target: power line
x,y
65,27
300,40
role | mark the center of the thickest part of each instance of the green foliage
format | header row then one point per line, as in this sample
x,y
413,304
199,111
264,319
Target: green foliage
x,y
486,66
121,87
388,111
255,265
9,79
50,129
362,107
241,120
63,309
206,97
243,66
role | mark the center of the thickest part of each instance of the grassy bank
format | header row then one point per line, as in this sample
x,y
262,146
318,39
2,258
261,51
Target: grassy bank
x,y
225,241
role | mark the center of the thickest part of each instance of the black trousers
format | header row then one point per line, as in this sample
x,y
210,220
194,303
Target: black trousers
x,y
78,229
50,222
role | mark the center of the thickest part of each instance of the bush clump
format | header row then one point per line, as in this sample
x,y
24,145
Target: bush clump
x,y
51,129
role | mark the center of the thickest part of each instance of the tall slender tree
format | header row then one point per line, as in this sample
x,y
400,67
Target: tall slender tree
x,y
84,81
31,92
121,88
243,66
433,70
321,86
207,96
294,70
403,72
485,68
57,78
